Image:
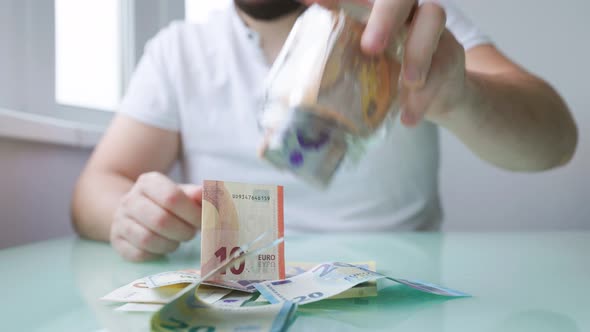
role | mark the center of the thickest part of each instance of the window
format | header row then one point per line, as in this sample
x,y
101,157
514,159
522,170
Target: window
x,y
88,53
71,59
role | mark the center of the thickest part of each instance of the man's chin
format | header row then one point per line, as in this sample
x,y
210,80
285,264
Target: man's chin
x,y
268,10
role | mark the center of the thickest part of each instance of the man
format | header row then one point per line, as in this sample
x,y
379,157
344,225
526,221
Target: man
x,y
195,97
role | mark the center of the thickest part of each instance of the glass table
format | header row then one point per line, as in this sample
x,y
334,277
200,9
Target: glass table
x,y
519,282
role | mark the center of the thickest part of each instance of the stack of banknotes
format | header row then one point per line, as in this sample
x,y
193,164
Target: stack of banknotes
x,y
324,96
244,282
180,300
149,294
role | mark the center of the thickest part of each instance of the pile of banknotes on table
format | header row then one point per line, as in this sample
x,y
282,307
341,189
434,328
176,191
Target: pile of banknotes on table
x,y
244,282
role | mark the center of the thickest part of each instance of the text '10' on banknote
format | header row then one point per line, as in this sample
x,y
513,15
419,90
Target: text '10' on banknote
x,y
237,213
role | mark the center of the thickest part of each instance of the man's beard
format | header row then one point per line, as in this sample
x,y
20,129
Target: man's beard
x,y
267,10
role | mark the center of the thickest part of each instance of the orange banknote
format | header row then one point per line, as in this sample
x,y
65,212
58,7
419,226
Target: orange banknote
x,y
235,214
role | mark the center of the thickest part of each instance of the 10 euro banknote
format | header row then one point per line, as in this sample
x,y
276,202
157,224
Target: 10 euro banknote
x,y
236,213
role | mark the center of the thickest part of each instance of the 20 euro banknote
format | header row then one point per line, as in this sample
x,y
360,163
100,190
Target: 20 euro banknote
x,y
329,279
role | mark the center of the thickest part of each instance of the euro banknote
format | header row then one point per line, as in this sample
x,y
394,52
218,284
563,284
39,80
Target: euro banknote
x,y
172,278
364,289
233,299
187,312
236,213
139,307
292,269
329,279
274,317
138,292
190,276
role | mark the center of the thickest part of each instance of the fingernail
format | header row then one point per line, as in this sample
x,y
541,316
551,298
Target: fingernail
x,y
373,40
412,74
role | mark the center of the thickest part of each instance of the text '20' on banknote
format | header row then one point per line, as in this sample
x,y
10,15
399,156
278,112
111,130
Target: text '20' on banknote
x,y
237,213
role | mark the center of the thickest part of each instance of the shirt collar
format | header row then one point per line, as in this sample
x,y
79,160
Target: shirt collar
x,y
242,28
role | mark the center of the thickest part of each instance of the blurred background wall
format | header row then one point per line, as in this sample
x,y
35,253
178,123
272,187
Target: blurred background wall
x,y
36,180
550,39
547,37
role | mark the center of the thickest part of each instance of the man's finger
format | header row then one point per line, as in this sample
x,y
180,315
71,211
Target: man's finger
x,y
130,252
145,239
158,219
168,195
425,32
386,19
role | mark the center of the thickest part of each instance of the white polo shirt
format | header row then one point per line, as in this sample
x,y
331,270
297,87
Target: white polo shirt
x,y
205,81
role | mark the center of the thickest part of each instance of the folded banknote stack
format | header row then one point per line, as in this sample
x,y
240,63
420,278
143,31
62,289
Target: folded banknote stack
x,y
325,98
244,282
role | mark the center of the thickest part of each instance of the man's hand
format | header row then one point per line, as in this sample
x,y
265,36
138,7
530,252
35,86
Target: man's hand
x,y
504,114
433,73
155,216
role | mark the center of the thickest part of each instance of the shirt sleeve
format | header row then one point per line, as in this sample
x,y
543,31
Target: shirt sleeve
x,y
150,94
466,32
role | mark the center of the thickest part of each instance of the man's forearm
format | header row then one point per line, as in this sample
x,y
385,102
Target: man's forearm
x,y
95,201
514,121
